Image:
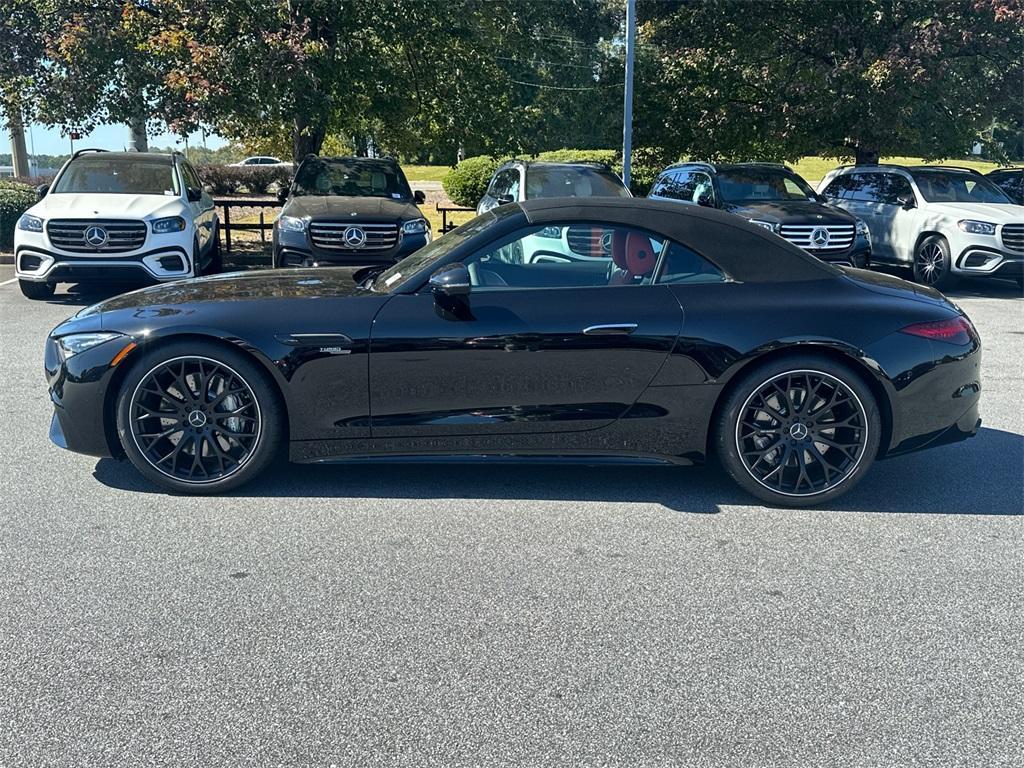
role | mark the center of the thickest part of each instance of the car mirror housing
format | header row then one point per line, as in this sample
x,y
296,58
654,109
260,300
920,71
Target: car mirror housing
x,y
41,191
505,199
282,194
450,280
906,202
419,197
194,194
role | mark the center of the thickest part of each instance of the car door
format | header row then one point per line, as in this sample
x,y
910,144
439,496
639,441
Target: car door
x,y
536,346
859,194
898,217
202,209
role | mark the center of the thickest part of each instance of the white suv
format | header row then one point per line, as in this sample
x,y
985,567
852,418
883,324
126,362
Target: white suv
x,y
942,222
115,216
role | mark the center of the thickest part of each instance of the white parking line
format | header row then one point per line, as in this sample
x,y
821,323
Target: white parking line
x,y
8,282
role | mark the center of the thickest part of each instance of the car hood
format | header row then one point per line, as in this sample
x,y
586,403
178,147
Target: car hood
x,y
791,212
354,208
237,286
879,282
103,206
996,213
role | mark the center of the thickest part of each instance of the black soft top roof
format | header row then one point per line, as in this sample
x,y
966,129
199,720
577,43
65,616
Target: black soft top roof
x,y
745,251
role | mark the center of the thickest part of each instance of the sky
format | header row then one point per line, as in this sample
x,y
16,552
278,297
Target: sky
x,y
48,141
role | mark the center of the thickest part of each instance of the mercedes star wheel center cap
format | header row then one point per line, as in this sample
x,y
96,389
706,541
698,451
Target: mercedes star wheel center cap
x,y
197,419
798,431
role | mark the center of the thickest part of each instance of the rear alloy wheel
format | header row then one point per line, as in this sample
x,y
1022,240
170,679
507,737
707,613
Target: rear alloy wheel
x,y
36,291
799,434
198,418
932,264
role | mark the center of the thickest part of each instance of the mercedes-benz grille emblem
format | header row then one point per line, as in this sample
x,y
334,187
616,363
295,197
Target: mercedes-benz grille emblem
x,y
96,237
819,237
197,419
354,237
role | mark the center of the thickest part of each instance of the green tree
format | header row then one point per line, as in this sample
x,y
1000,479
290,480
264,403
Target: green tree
x,y
863,78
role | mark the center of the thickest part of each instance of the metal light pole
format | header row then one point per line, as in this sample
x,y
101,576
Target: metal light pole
x,y
627,107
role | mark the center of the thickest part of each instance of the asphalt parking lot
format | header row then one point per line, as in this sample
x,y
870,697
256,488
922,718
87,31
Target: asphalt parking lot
x,y
510,615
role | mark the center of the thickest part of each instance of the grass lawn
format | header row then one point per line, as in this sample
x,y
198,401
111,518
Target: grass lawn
x,y
416,173
814,168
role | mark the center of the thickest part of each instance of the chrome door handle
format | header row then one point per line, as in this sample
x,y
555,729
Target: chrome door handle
x,y
612,329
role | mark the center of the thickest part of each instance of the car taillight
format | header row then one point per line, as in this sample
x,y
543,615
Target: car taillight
x,y
956,330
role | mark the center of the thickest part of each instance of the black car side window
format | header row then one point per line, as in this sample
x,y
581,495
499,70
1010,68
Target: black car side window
x,y
685,186
567,255
682,265
891,187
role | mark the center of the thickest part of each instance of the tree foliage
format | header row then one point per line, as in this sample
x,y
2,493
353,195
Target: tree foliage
x,y
784,78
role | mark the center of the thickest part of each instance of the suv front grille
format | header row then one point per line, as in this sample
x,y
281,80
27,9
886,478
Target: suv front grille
x,y
1013,236
120,235
331,235
587,240
840,236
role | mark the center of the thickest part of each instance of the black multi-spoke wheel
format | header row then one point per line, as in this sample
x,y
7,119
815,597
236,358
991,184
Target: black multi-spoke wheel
x,y
197,420
799,434
932,264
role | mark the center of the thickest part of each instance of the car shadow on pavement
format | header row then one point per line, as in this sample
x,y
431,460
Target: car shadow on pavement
x,y
982,476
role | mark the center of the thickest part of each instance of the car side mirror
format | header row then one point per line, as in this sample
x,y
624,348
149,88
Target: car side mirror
x,y
906,202
41,191
419,197
705,201
450,280
194,194
505,199
282,194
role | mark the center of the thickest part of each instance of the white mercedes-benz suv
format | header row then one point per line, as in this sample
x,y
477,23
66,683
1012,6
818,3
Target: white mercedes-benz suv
x,y
113,217
943,222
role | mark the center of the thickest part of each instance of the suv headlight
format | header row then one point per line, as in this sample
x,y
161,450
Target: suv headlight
x,y
415,227
168,224
79,342
972,227
30,223
862,229
291,224
771,226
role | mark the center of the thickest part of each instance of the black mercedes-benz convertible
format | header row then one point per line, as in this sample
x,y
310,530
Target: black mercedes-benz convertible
x,y
576,329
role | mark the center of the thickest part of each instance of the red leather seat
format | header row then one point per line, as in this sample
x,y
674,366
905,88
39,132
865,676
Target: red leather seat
x,y
633,256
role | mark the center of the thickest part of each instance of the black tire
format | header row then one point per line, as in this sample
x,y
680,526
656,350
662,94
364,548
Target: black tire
x,y
216,265
36,291
798,459
932,264
233,446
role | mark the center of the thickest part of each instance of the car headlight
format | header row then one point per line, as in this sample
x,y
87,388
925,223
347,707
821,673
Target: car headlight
x,y
291,224
415,227
30,223
79,342
862,229
168,224
972,227
553,232
771,226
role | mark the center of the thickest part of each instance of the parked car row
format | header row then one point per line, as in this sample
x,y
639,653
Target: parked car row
x,y
114,215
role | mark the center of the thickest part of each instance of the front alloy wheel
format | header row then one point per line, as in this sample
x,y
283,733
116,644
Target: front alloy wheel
x,y
800,435
932,264
198,423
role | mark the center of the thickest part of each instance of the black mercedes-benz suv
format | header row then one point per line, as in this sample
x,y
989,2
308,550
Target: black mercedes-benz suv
x,y
774,197
348,211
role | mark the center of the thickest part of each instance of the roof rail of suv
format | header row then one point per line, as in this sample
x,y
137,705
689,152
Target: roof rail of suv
x,y
86,151
946,168
693,163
